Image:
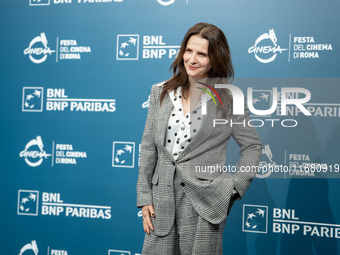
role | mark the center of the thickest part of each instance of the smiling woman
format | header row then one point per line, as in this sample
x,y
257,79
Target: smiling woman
x,y
196,58
185,211
204,53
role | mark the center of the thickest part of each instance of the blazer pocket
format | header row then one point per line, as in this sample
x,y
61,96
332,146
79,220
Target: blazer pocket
x,y
204,181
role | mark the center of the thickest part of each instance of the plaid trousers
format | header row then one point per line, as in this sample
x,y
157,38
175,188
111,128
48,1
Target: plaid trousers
x,y
190,233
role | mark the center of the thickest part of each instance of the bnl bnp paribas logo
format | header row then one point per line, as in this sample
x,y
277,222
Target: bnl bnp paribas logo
x,y
153,47
39,2
119,252
28,202
255,218
58,100
53,205
266,47
32,99
123,154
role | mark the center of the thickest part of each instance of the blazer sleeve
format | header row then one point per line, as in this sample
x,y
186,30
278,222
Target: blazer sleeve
x,y
251,151
148,157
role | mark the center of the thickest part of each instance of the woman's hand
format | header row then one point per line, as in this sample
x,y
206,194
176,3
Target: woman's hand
x,y
148,210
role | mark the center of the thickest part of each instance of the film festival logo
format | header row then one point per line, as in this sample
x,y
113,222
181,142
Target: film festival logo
x,y
28,202
30,247
34,152
167,2
127,47
32,99
123,154
37,47
255,219
39,2
146,103
266,44
269,163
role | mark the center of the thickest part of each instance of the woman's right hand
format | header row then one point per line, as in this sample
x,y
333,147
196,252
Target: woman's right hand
x,y
148,210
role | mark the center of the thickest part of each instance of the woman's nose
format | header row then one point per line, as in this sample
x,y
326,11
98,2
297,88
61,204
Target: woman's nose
x,y
193,58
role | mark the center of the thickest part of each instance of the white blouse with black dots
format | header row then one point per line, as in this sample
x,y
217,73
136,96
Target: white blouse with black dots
x,y
181,129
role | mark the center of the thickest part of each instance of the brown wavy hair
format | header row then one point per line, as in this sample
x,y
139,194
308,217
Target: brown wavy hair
x,y
220,60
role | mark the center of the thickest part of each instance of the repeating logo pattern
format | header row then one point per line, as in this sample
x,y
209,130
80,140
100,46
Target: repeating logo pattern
x,y
123,154
266,162
28,202
117,252
30,246
39,2
34,49
146,103
255,218
32,99
30,154
166,2
127,47
269,47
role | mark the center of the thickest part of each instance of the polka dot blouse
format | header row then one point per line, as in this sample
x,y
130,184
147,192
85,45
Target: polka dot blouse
x,y
181,129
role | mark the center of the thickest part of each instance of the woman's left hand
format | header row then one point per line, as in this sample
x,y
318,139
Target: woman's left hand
x,y
148,210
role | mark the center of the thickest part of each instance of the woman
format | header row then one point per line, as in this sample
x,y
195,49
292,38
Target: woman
x,y
184,206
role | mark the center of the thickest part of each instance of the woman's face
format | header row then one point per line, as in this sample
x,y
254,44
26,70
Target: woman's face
x,y
195,58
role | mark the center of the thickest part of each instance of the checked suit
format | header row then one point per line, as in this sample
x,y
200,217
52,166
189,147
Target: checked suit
x,y
209,193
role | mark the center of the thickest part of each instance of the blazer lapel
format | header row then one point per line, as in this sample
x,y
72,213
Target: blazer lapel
x,y
163,118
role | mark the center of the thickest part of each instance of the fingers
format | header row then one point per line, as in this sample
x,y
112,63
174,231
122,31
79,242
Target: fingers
x,y
146,216
147,211
152,211
153,215
146,226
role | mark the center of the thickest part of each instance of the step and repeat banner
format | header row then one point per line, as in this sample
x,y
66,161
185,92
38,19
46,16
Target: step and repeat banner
x,y
75,84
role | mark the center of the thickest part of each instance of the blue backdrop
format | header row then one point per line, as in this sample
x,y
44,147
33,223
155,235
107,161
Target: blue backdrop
x,y
75,81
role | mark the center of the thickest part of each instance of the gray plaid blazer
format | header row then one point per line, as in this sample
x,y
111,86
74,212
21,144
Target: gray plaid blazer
x,y
210,194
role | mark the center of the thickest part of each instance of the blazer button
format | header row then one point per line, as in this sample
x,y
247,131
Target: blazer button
x,y
173,163
182,184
